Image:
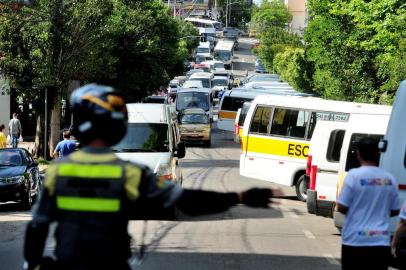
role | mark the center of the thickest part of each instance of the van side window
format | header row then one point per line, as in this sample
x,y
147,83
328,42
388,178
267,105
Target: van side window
x,y
352,161
232,103
334,145
312,125
260,123
290,123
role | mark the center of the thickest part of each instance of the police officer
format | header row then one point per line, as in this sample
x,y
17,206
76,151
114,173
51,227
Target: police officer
x,y
92,194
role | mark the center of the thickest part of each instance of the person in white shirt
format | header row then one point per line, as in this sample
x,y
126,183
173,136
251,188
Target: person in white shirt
x,y
368,199
398,242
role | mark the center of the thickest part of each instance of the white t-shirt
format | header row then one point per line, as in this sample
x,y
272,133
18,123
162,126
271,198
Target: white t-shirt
x,y
402,213
370,193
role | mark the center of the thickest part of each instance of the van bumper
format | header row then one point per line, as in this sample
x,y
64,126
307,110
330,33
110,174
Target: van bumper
x,y
319,207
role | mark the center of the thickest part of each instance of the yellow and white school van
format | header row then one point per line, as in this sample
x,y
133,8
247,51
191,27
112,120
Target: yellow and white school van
x,y
277,133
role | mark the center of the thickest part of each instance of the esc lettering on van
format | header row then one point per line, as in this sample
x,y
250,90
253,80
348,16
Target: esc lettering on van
x,y
268,146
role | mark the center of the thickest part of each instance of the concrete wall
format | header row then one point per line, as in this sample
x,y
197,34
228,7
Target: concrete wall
x,y
4,102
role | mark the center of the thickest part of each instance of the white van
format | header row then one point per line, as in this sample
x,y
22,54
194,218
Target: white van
x,y
188,98
153,139
359,126
205,77
224,52
277,133
203,49
322,167
393,146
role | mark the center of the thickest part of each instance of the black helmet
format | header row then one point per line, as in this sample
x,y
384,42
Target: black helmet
x,y
99,111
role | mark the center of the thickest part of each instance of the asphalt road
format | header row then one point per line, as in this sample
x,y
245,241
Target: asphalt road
x,y
284,237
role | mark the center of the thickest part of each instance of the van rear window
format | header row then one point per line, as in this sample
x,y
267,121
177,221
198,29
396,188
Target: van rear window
x,y
233,103
352,161
334,145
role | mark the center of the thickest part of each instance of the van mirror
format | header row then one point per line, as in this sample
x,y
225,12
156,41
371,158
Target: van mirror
x,y
382,145
181,150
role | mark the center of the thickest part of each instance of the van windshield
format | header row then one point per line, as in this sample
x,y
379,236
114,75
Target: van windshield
x,y
222,56
220,82
192,100
144,137
205,82
194,119
203,50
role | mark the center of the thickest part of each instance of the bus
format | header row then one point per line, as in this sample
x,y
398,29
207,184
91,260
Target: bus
x,y
204,23
224,52
233,100
187,98
277,132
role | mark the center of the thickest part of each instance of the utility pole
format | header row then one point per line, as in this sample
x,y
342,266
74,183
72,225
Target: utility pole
x,y
227,13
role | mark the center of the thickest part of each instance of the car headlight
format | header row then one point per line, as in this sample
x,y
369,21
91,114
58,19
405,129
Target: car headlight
x,y
12,180
164,171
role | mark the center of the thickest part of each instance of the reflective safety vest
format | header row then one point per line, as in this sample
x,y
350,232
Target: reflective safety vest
x,y
90,203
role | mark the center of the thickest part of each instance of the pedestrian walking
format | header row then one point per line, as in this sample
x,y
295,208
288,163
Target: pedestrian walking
x,y
3,138
368,199
92,194
15,130
64,147
399,240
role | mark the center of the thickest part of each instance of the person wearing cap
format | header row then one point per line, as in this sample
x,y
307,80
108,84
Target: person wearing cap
x,y
368,199
92,194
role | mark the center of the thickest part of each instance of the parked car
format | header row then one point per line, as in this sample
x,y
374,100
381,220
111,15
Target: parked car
x,y
19,177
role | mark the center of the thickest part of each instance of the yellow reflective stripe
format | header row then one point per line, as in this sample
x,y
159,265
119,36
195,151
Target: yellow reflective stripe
x,y
87,204
133,180
90,171
81,156
272,146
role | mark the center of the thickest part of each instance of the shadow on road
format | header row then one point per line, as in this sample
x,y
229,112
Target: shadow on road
x,y
291,198
238,212
218,163
11,207
214,261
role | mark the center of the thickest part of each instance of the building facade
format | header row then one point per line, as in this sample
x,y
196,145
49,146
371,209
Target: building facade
x,y
299,15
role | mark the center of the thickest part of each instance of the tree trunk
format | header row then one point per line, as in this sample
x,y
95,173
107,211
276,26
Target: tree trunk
x,y
55,120
38,150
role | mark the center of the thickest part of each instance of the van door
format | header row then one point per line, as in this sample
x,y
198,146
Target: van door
x,y
326,158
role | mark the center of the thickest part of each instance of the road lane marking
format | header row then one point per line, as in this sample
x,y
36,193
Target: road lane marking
x,y
331,259
309,234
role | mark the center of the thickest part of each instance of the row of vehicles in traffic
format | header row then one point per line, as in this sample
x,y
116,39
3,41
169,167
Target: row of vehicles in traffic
x,y
299,140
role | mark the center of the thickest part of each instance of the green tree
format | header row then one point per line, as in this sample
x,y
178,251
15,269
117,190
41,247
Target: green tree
x,y
354,46
239,13
132,45
270,14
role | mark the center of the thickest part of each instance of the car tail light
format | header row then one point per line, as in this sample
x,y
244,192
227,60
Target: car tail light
x,y
309,164
313,174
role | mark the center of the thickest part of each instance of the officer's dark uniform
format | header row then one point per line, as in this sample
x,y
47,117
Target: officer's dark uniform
x,y
92,195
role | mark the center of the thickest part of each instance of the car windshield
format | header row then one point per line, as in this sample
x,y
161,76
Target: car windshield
x,y
220,82
218,65
203,50
205,82
192,100
10,158
144,137
222,56
264,79
200,58
194,119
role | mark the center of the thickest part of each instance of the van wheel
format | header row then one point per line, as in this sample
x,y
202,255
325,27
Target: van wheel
x,y
301,189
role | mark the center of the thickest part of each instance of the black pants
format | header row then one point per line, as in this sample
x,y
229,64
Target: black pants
x,y
371,258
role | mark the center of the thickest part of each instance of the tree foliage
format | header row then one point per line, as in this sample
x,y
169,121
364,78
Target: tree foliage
x,y
357,48
135,46
270,14
239,13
